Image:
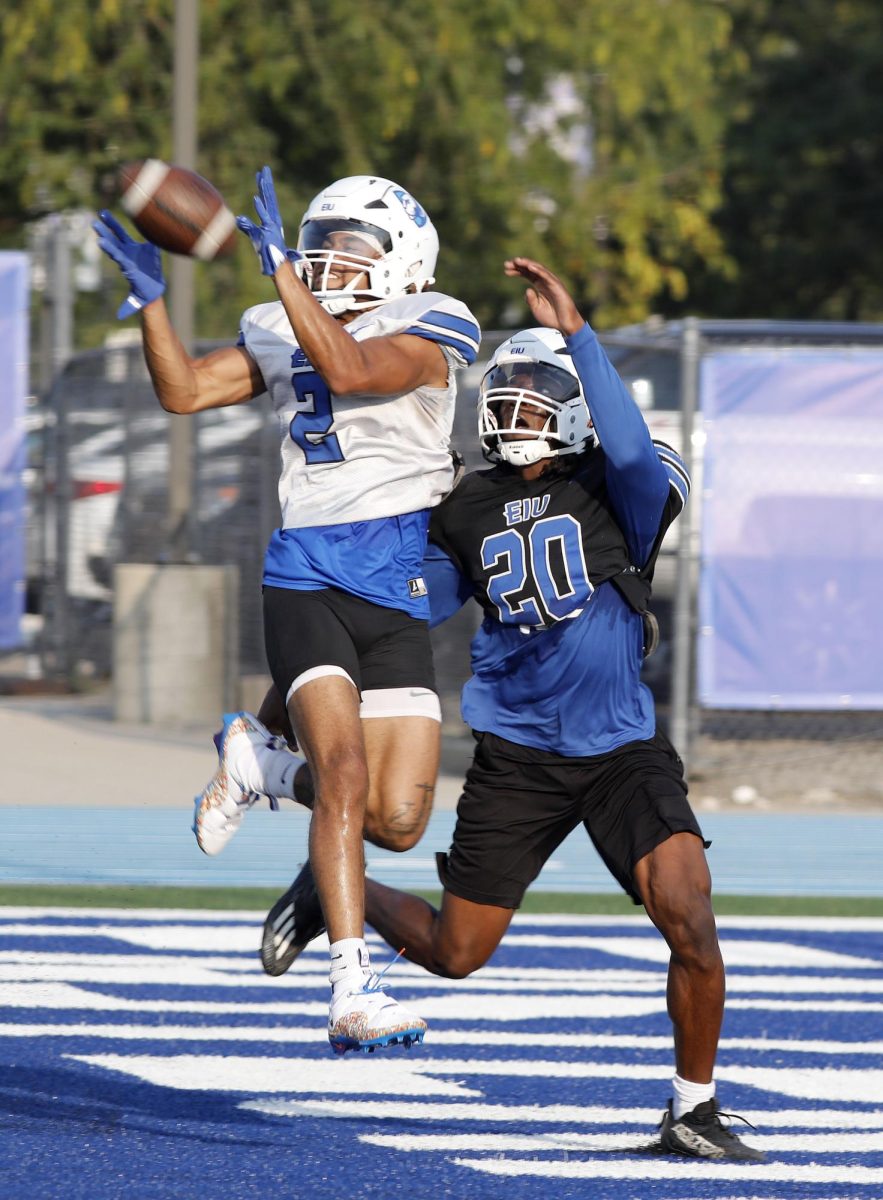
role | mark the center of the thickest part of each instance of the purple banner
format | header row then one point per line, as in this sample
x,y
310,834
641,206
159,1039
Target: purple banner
x,y
13,390
792,530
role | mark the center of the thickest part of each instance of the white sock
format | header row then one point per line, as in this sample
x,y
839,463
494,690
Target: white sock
x,y
262,769
687,1095
349,961
277,769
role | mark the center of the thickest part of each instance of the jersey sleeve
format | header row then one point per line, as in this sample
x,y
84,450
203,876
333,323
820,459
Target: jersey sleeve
x,y
678,476
452,326
448,588
637,480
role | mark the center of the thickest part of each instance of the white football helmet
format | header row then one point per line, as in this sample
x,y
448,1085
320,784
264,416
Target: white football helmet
x,y
532,368
384,220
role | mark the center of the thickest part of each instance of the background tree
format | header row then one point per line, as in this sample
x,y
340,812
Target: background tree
x,y
804,164
586,133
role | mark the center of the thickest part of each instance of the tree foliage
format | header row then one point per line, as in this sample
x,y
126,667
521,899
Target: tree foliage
x,y
596,136
804,163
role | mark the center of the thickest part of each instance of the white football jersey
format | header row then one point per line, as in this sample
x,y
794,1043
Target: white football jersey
x,y
360,457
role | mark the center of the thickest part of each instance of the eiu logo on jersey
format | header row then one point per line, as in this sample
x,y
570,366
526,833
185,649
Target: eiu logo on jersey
x,y
411,207
416,587
300,362
517,511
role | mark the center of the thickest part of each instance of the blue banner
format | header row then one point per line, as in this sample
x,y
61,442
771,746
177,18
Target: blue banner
x,y
792,529
13,390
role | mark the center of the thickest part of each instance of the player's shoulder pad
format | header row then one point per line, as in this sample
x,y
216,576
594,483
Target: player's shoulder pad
x,y
678,475
431,315
269,318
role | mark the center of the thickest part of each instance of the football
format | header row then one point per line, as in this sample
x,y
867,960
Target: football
x,y
177,209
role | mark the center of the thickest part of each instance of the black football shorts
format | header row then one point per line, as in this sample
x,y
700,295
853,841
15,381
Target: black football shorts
x,y
377,647
519,804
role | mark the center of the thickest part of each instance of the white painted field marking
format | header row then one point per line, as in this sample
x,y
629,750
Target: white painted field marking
x,y
201,918
736,953
295,1034
63,996
586,1143
229,1073
182,970
396,1111
221,938
177,972
266,1074
677,1171
811,1083
809,1006
288,1034
458,1143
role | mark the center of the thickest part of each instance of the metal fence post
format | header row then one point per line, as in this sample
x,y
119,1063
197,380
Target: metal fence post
x,y
682,649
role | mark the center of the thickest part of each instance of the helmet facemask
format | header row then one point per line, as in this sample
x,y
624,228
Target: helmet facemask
x,y
530,409
331,248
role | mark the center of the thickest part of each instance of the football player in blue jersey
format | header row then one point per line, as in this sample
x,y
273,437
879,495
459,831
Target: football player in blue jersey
x,y
557,542
359,359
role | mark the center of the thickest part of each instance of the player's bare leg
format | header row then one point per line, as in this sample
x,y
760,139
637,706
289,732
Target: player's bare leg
x,y
402,754
403,758
325,717
452,941
675,885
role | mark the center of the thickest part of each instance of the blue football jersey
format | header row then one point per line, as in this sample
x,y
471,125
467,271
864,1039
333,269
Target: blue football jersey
x,y
561,566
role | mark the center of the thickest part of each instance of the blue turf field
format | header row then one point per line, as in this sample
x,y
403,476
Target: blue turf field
x,y
145,1057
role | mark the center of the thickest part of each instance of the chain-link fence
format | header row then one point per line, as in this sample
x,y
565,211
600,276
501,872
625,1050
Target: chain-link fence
x,y
787,477
98,496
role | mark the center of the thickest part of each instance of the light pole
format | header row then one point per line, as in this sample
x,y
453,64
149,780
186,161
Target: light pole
x,y
181,300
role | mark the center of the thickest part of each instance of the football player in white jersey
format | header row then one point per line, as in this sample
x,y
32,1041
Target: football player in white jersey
x,y
359,360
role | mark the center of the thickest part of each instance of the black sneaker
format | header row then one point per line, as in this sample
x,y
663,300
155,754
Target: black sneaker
x,y
293,921
702,1134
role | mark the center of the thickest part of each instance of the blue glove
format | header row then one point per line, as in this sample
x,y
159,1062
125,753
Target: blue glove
x,y
268,238
140,262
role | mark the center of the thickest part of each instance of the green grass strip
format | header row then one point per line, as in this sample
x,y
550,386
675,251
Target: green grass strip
x,y
260,899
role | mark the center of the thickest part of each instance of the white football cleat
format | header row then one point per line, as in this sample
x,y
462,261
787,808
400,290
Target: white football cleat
x,y
365,1018
224,801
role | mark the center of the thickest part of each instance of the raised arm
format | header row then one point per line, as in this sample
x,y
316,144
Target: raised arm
x,y
637,481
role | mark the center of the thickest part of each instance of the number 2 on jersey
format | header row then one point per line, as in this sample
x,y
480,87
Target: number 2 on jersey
x,y
310,425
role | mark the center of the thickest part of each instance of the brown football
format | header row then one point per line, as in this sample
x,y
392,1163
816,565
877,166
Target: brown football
x,y
177,209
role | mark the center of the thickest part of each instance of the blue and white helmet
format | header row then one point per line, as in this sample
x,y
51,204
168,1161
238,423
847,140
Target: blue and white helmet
x,y
384,220
532,368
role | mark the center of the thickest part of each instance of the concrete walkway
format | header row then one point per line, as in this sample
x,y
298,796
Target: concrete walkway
x,y
68,751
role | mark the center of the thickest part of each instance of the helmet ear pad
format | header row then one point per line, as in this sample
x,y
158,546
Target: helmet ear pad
x,y
532,367
395,221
